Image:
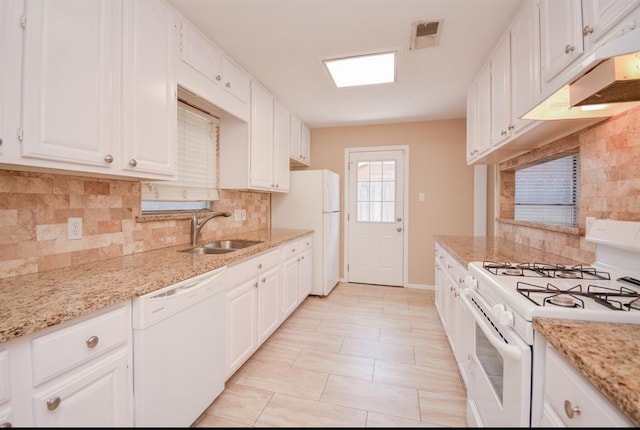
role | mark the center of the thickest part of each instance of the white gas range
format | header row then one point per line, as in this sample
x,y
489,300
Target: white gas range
x,y
502,298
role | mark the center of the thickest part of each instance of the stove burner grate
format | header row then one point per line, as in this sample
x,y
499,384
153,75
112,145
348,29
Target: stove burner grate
x,y
621,299
578,271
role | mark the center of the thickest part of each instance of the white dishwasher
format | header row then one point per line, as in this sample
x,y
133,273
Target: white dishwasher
x,y
179,351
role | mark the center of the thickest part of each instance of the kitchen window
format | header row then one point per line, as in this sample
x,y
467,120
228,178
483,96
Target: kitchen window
x,y
197,182
549,192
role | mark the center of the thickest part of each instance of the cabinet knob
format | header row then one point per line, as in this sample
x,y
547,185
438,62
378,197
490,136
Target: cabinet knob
x,y
570,409
587,30
260,266
92,341
511,127
0,144
568,49
108,158
228,85
503,132
264,280
255,284
52,404
133,162
218,77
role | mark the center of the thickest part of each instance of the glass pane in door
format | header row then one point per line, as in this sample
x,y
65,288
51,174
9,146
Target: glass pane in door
x,y
375,197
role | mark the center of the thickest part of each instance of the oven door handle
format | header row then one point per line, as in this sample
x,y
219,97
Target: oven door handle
x,y
512,352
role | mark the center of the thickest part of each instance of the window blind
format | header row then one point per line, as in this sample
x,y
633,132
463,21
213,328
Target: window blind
x,y
549,192
197,178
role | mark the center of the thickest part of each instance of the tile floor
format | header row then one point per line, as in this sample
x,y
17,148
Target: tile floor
x,y
364,356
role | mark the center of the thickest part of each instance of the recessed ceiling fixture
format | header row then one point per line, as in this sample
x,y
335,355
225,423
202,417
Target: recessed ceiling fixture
x,y
368,69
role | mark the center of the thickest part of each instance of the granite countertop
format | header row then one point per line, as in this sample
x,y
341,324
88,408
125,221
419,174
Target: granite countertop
x,y
607,354
29,303
477,248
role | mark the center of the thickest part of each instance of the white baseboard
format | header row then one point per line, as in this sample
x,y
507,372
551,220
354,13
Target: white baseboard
x,y
420,286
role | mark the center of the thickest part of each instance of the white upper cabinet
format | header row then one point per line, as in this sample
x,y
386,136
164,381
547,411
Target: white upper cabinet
x,y
97,81
479,115
281,145
207,72
300,149
525,63
71,73
261,162
501,124
600,16
560,35
149,88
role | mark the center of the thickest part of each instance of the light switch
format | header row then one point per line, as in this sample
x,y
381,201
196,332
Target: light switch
x,y
421,197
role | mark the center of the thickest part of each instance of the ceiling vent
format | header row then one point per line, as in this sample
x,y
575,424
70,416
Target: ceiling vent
x,y
425,34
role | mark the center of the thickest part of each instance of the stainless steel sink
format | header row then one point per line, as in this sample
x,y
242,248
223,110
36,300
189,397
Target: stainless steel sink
x,y
231,244
222,246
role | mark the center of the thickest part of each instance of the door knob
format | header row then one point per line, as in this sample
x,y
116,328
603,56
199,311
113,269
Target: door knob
x,y
398,229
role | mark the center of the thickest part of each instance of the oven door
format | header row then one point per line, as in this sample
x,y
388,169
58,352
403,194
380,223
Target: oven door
x,y
498,365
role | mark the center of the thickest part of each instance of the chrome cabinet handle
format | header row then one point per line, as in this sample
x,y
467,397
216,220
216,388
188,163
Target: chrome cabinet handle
x,y
52,404
133,162
92,341
568,49
570,409
587,30
108,158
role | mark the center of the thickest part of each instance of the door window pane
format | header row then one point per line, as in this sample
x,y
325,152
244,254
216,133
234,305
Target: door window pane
x,y
376,184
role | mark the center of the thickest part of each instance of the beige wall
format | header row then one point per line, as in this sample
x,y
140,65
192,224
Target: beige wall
x,y
437,168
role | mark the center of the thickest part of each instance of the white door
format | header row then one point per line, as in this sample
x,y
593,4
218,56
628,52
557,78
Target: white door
x,y
375,220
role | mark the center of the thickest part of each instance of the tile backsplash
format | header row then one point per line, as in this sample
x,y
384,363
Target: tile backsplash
x,y
609,184
35,207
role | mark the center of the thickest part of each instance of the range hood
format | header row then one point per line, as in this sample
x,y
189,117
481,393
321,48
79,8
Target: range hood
x,y
605,83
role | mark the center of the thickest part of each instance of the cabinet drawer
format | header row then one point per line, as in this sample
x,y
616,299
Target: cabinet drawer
x,y
305,243
564,383
65,348
250,268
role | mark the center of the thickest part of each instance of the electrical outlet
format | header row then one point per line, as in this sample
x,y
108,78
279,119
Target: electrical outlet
x,y
237,215
244,215
74,228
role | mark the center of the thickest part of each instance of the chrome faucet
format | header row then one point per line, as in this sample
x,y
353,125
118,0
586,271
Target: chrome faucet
x,y
197,226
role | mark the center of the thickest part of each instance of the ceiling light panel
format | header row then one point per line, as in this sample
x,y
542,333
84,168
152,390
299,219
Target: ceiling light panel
x,y
361,70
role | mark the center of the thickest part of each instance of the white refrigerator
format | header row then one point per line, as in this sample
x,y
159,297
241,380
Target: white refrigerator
x,y
313,202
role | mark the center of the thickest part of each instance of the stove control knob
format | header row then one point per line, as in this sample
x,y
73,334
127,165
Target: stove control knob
x,y
506,319
470,282
497,310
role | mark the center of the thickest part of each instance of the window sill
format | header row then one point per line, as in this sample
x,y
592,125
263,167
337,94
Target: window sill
x,y
167,216
577,231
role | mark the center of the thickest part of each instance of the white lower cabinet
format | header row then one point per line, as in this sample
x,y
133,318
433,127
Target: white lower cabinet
x,y
253,310
296,274
76,374
450,275
562,397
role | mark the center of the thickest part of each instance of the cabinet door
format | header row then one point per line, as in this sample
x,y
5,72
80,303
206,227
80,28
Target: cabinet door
x,y
261,162
281,142
484,110
305,145
295,150
304,276
600,16
525,63
241,324
92,397
235,80
501,91
269,301
199,53
149,89
560,35
290,286
472,120
72,67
